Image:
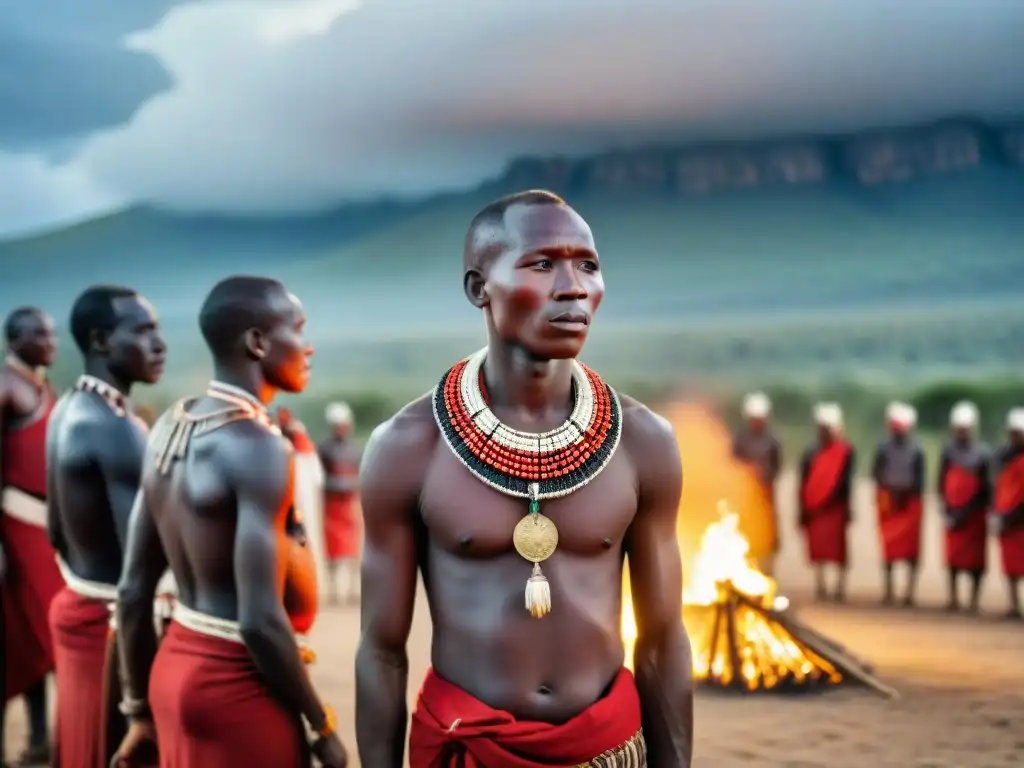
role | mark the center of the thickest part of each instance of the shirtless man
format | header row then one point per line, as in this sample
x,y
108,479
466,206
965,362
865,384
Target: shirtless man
x,y
229,684
94,451
29,578
340,457
457,491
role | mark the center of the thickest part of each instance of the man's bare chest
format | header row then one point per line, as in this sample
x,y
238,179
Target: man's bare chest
x,y
464,516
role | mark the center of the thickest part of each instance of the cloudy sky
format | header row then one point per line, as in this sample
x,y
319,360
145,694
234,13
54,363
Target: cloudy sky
x,y
280,106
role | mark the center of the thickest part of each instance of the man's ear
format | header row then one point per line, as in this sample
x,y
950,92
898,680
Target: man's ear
x,y
99,341
475,286
256,345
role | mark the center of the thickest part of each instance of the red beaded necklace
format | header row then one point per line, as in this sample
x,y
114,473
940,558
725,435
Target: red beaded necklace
x,y
557,462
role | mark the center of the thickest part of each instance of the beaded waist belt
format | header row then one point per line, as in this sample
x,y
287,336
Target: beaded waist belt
x,y
631,754
23,506
214,626
93,590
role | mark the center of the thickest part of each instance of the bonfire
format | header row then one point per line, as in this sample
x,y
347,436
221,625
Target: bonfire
x,y
740,631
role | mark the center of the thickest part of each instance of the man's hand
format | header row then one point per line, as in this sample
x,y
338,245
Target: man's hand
x,y
139,749
330,752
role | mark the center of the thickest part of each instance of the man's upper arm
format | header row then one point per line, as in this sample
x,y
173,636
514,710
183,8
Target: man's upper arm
x,y
119,449
390,478
261,473
655,567
144,558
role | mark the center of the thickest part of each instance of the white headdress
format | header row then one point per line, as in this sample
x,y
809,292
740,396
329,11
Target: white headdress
x,y
902,414
829,415
1015,420
339,414
756,405
964,415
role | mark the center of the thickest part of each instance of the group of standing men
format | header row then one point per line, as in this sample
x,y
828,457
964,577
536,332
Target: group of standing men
x,y
520,451
978,491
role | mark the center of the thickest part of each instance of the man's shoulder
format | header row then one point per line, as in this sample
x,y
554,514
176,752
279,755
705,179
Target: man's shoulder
x,y
642,426
411,428
649,439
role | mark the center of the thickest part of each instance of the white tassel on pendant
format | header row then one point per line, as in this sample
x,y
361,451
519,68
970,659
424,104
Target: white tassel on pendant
x,y
538,594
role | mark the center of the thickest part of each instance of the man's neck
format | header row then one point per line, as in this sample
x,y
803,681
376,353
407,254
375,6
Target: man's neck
x,y
518,381
248,379
98,369
35,373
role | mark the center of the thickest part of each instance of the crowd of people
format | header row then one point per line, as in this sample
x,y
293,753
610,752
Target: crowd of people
x,y
980,491
165,570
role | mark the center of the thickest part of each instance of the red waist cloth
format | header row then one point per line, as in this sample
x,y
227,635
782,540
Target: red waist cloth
x,y
452,728
81,633
341,525
30,585
900,526
212,710
826,533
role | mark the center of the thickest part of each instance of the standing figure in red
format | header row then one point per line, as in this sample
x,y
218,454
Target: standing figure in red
x,y
965,491
340,457
826,483
29,578
899,498
1008,507
94,452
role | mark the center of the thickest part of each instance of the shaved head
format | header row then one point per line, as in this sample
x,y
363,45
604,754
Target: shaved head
x,y
487,236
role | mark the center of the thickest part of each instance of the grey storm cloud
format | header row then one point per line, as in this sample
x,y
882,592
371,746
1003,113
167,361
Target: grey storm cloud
x,y
280,106
66,72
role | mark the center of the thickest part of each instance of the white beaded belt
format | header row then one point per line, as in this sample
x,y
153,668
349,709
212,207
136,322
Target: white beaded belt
x,y
93,590
213,626
23,506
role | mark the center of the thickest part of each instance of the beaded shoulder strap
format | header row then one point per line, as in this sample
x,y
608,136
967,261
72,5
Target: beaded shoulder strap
x,y
173,433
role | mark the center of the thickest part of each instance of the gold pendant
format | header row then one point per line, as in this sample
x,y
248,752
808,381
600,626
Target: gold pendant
x,y
535,537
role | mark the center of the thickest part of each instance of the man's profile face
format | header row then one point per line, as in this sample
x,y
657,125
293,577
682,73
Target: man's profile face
x,y
542,292
137,350
961,434
36,344
286,364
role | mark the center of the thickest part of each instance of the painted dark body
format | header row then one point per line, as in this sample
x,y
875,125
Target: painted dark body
x,y
539,284
223,519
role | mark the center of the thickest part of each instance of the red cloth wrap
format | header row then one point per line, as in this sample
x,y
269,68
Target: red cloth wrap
x,y
212,710
81,630
341,525
32,577
966,544
488,738
1009,496
900,526
827,517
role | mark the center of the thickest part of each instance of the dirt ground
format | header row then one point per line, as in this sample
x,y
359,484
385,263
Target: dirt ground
x,y
961,680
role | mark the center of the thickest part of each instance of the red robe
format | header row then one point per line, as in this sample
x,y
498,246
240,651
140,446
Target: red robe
x,y
963,492
81,634
452,729
826,513
1009,496
900,525
341,525
33,578
211,707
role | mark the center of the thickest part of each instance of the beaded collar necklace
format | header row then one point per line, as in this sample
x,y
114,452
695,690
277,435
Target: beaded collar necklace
x,y
534,466
110,395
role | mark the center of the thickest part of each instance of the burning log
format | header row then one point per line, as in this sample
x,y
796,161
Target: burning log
x,y
749,647
741,639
